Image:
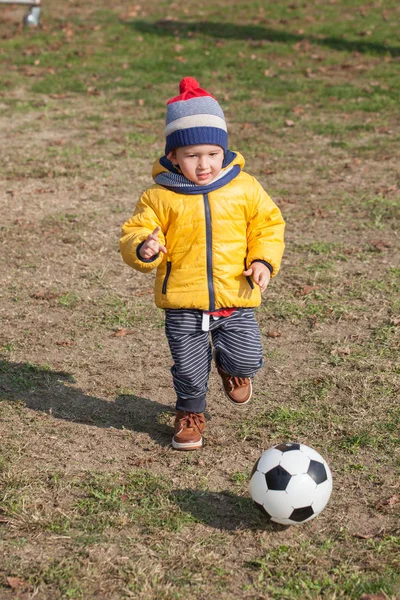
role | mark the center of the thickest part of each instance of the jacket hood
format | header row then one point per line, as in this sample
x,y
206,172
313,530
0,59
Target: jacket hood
x,y
166,174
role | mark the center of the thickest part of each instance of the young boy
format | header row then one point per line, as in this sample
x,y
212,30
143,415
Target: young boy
x,y
215,238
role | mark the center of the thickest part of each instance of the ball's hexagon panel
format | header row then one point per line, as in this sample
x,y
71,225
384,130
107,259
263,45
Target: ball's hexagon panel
x,y
301,490
278,504
311,453
295,462
258,487
269,459
322,495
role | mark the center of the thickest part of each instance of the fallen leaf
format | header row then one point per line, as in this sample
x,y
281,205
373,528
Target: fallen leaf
x,y
289,123
341,351
395,499
373,597
66,343
313,321
320,213
122,332
273,334
384,130
307,289
350,251
43,294
395,321
143,292
16,582
380,244
303,45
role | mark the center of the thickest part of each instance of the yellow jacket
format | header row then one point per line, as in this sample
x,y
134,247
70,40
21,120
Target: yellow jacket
x,y
211,235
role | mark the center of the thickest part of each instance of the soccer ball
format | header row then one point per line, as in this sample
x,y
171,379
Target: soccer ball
x,y
291,483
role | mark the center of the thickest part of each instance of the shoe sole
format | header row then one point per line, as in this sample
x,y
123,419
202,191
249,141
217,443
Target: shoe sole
x,y
187,445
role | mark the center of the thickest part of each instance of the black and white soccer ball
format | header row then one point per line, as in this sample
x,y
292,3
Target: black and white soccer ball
x,y
291,483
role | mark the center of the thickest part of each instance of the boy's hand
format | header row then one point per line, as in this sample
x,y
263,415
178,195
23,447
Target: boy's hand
x,y
152,246
260,274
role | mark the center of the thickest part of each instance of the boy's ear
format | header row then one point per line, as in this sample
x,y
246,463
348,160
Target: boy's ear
x,y
172,156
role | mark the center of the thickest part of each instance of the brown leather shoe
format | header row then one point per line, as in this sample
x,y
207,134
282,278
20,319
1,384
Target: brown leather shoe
x,y
189,428
237,389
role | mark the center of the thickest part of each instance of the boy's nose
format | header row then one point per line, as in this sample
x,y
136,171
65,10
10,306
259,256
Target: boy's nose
x,y
203,164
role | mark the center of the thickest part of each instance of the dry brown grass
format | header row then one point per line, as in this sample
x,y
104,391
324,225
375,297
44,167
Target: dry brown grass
x,y
95,503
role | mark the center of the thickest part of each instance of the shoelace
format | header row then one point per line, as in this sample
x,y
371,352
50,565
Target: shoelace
x,y
236,382
192,420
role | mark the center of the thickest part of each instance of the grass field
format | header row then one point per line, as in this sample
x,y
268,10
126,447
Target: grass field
x,y
94,503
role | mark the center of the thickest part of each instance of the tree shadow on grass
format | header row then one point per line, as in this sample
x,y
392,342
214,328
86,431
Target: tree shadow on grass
x,y
224,510
50,391
258,33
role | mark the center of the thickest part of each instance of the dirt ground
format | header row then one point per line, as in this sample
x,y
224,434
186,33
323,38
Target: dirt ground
x,y
85,379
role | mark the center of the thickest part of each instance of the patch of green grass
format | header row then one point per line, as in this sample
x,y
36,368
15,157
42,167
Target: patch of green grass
x,y
69,300
313,390
8,347
101,86
137,497
284,572
118,312
239,478
353,442
62,576
317,247
384,211
282,423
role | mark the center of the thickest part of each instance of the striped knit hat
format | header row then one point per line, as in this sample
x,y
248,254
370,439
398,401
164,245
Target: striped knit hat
x,y
194,117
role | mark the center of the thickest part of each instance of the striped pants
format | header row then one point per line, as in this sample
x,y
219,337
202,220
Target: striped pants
x,y
236,340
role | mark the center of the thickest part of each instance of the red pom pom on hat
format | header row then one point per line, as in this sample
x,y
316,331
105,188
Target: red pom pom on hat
x,y
188,83
189,88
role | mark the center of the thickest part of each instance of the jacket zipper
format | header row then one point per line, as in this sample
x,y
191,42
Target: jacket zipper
x,y
249,281
210,282
165,282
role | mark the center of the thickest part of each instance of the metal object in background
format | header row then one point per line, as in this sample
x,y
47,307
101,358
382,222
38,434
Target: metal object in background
x,y
32,18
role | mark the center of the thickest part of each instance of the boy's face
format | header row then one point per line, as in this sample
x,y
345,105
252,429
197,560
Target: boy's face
x,y
200,164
